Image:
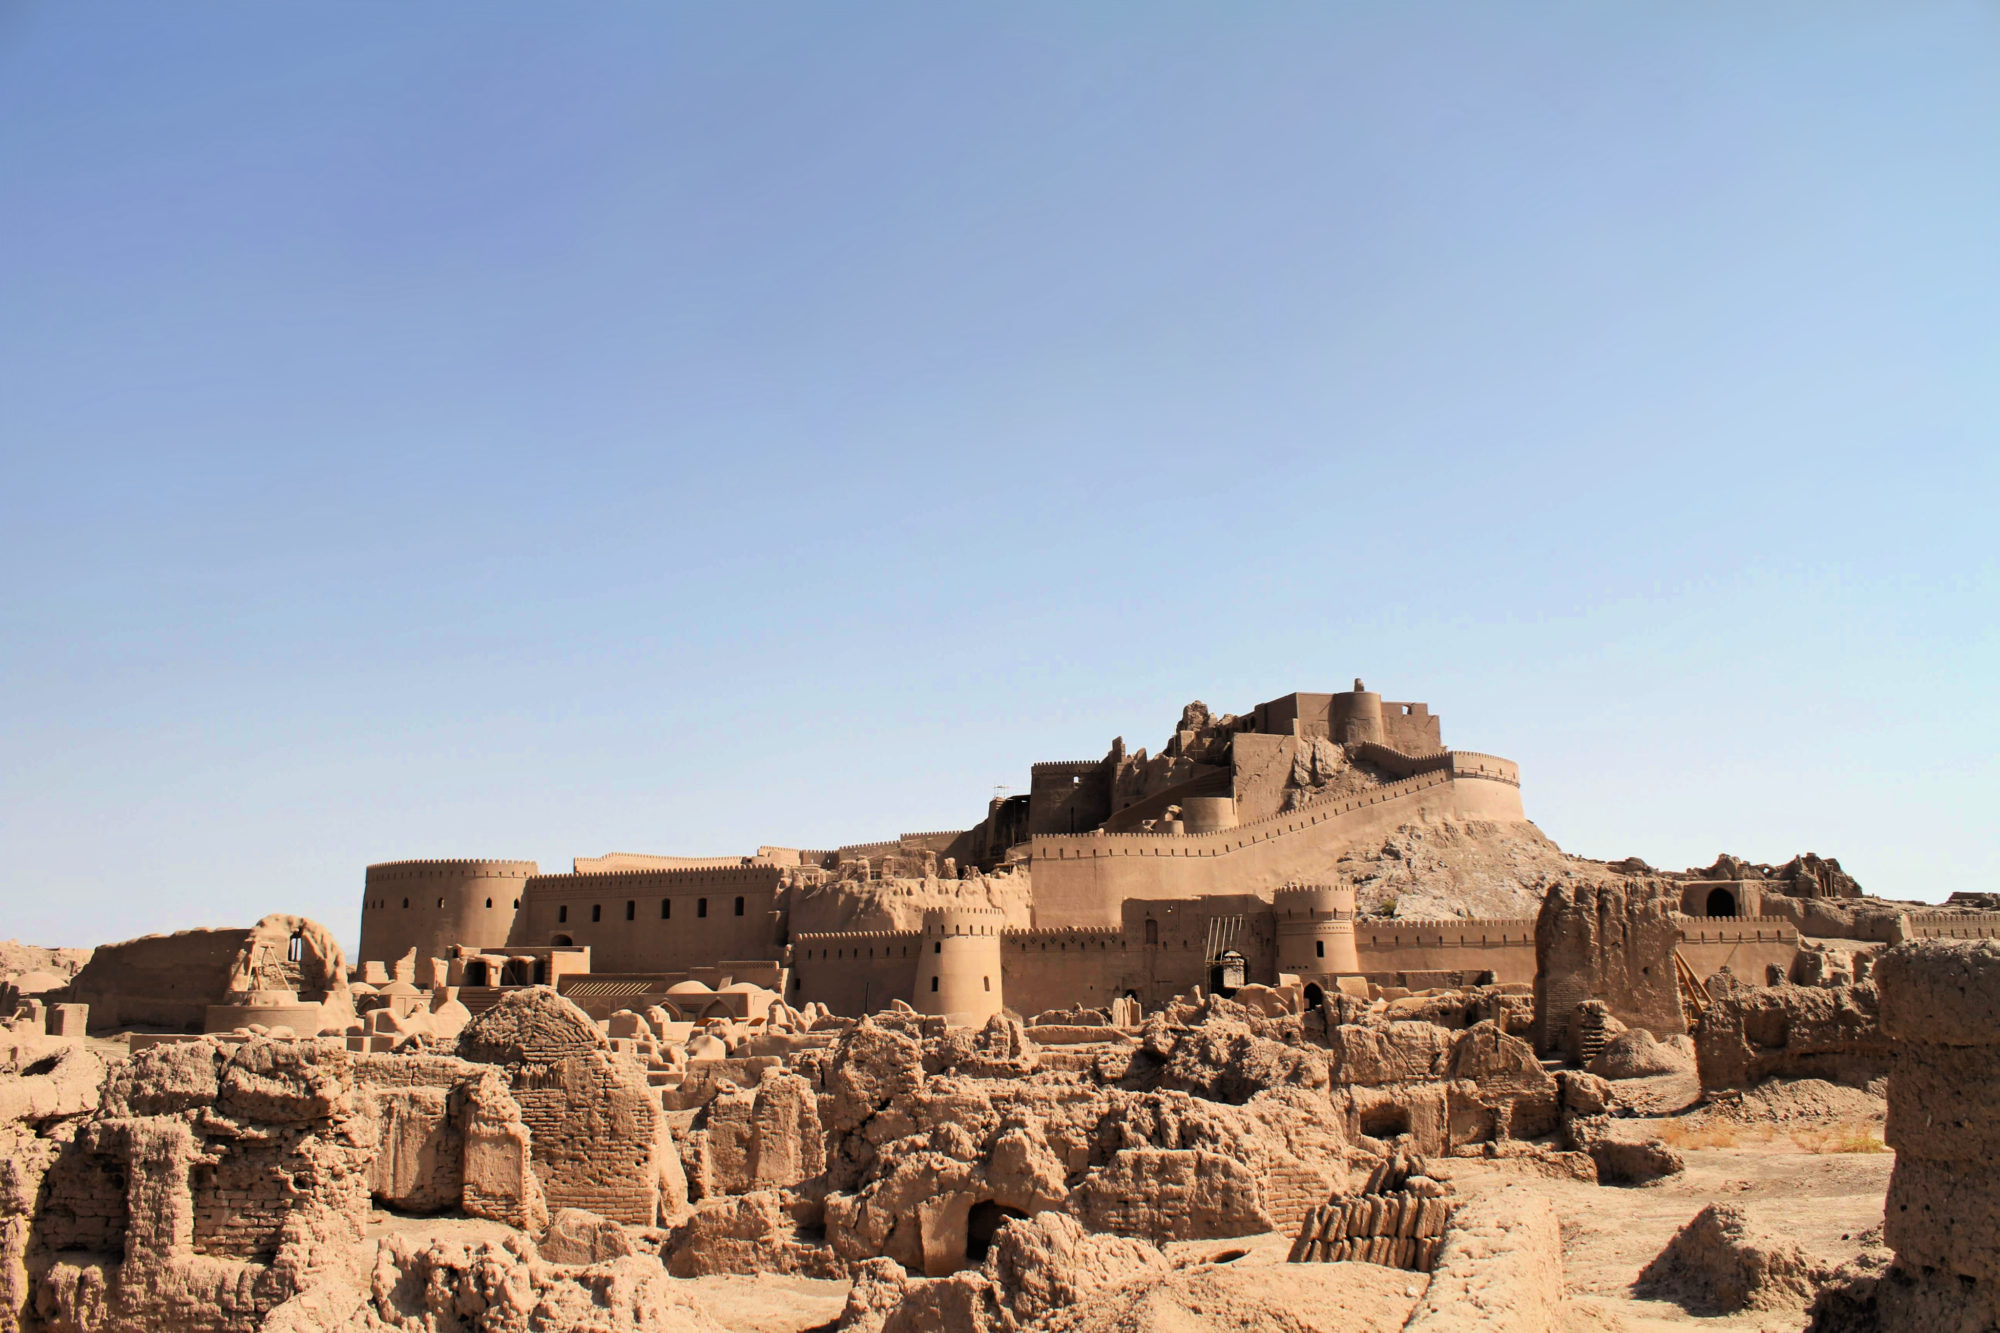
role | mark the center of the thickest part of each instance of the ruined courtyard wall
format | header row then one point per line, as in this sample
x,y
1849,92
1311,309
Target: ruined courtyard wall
x,y
652,920
1083,880
158,981
431,905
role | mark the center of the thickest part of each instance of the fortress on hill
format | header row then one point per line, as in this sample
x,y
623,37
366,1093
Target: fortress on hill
x,y
1240,852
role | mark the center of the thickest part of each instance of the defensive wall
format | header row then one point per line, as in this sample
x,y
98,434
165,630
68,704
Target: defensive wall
x,y
1081,879
1505,947
1951,926
655,920
431,905
1748,946
855,972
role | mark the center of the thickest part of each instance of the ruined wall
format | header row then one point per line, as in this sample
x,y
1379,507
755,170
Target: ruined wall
x,y
431,905
1068,796
211,1184
1612,942
600,1137
1941,1007
1750,1031
163,982
655,920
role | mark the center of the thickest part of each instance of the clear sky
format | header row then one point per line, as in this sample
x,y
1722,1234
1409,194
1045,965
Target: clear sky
x,y
531,430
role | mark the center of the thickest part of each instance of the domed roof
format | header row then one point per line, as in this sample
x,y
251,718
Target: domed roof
x,y
741,988
689,988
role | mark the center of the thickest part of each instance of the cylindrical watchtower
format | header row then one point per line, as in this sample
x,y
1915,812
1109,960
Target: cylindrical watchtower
x,y
1362,717
1206,814
431,905
1316,931
958,971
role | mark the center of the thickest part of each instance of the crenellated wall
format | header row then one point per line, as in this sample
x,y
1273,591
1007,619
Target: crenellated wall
x,y
855,972
1081,880
1504,947
1750,947
655,920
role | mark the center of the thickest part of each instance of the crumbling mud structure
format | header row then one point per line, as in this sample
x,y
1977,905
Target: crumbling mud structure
x,y
1154,1046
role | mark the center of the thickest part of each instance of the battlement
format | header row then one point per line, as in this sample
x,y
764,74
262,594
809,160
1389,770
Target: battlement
x,y
1073,765
1736,929
597,881
1062,932
1952,925
830,937
457,866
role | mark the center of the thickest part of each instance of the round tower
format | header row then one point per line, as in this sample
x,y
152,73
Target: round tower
x,y
431,905
958,967
1362,721
1206,814
1316,931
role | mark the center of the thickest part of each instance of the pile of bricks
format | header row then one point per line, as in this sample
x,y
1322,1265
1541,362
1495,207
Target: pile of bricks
x,y
1398,1220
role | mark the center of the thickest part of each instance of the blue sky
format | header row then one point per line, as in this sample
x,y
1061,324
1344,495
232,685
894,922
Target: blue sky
x,y
514,430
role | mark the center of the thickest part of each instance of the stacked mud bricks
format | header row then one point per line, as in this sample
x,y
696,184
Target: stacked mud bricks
x,y
1398,1220
1941,1007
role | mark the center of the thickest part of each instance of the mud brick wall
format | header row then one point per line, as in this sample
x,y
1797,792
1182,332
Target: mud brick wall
x,y
1940,1004
593,1123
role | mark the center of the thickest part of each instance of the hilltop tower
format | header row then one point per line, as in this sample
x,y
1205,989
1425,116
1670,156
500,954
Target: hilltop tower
x,y
958,967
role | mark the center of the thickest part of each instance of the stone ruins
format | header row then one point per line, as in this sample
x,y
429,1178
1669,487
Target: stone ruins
x,y
1298,1024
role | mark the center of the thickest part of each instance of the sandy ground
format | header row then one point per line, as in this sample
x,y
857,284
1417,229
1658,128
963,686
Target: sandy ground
x,y
1792,1178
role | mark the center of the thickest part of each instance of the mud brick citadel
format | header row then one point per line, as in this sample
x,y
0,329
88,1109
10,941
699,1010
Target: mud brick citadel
x,y
1131,876
1297,1024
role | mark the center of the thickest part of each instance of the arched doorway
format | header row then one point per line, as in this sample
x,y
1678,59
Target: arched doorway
x,y
562,942
981,1223
1315,997
475,972
1721,902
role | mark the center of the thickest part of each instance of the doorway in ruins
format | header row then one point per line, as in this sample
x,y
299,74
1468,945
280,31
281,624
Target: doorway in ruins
x,y
1721,902
981,1223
